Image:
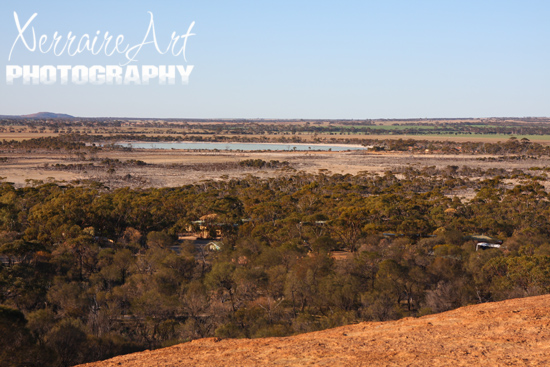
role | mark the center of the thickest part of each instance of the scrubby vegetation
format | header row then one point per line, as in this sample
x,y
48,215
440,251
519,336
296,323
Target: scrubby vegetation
x,y
88,272
62,143
445,127
379,135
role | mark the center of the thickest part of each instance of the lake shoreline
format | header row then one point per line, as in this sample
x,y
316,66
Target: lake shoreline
x,y
223,146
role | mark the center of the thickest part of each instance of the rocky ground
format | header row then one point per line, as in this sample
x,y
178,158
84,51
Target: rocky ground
x,y
510,333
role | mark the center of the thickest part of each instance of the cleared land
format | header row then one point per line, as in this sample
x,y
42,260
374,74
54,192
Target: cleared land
x,y
439,129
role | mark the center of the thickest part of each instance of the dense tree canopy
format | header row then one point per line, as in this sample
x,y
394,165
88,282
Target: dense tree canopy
x,y
88,272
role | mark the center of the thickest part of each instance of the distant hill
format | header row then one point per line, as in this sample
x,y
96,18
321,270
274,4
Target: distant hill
x,y
48,115
512,333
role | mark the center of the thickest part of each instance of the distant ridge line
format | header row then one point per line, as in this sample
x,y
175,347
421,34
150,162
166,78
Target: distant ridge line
x,y
47,115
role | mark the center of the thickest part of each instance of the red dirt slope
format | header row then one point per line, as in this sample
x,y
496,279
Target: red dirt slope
x,y
510,333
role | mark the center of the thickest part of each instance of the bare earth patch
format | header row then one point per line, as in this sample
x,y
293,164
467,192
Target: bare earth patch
x,y
510,333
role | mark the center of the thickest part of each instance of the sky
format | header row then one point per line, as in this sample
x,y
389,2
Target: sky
x,y
294,59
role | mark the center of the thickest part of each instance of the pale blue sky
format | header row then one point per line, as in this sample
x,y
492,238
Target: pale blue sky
x,y
303,59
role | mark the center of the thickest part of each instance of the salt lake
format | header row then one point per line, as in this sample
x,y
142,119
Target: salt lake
x,y
242,146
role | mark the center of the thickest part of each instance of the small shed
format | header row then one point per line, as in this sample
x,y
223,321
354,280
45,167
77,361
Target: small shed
x,y
214,246
486,245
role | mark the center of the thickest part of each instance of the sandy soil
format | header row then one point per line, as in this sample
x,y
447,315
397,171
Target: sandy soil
x,y
510,333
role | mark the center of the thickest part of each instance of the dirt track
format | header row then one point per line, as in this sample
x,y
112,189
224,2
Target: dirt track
x,y
510,333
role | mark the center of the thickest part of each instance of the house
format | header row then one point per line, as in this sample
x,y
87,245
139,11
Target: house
x,y
483,238
206,224
485,242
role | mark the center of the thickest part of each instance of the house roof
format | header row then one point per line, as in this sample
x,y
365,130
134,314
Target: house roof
x,y
484,238
209,216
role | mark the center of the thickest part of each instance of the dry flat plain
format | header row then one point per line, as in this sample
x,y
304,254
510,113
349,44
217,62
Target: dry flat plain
x,y
168,168
510,333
